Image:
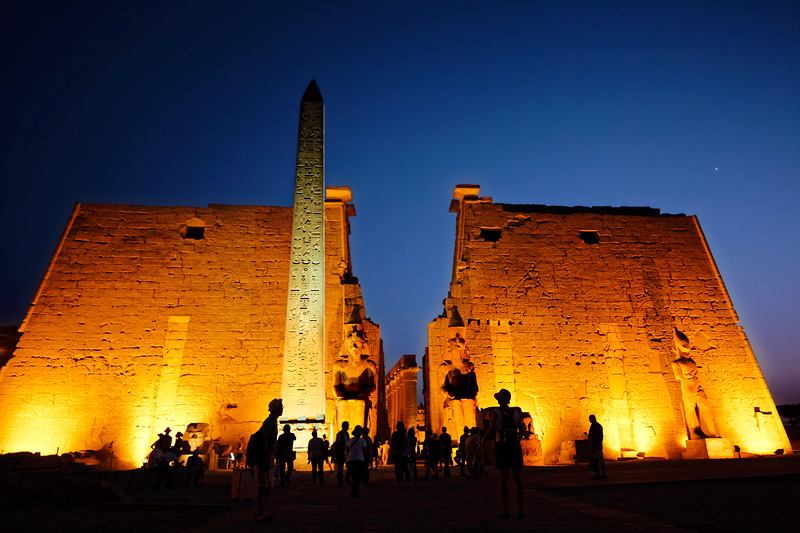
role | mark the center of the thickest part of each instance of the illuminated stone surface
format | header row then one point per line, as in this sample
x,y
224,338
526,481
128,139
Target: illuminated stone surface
x,y
711,448
303,384
355,377
154,316
696,408
573,309
457,379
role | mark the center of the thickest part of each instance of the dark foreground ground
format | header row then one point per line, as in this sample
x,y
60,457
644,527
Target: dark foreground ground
x,y
757,494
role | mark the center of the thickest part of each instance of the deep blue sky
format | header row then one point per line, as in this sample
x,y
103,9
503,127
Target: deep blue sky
x,y
690,107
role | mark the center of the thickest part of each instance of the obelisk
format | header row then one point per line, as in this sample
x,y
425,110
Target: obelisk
x,y
303,384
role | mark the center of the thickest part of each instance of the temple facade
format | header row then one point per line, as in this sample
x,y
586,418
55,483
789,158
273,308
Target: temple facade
x,y
616,312
195,318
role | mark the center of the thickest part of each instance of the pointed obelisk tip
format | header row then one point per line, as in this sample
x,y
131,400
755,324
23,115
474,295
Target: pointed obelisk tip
x,y
312,93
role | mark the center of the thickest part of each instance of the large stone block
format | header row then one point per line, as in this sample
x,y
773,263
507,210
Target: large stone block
x,y
709,449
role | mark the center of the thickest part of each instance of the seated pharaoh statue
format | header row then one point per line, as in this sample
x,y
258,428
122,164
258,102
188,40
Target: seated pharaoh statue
x,y
460,385
354,380
696,408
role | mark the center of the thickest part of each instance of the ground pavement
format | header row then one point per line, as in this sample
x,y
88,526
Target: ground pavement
x,y
453,504
652,495
556,499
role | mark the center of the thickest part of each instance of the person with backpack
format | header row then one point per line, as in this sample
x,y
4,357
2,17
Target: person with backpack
x,y
326,445
355,459
261,454
507,428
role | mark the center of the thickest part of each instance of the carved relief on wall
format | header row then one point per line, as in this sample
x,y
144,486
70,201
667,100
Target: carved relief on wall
x,y
696,408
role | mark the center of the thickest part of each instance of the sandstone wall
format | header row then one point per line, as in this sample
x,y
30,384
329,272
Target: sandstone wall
x,y
138,326
572,310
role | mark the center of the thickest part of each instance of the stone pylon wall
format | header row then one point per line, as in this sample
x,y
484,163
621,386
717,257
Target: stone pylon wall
x,y
572,310
138,326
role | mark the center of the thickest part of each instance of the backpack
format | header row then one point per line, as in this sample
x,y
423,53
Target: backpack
x,y
255,449
509,426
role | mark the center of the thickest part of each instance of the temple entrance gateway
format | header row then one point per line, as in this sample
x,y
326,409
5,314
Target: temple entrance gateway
x,y
572,310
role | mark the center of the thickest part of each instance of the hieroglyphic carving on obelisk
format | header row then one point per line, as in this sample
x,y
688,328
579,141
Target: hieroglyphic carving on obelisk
x,y
303,385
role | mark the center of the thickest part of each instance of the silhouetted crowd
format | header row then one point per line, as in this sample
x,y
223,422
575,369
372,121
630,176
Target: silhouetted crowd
x,y
164,461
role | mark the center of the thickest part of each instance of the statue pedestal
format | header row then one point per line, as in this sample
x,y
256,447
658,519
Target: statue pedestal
x,y
715,448
352,411
532,451
459,414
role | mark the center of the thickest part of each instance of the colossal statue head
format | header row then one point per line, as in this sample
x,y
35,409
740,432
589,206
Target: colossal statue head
x,y
682,345
457,348
356,347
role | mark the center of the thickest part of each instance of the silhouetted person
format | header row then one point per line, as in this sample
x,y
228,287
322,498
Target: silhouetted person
x,y
158,465
181,447
348,476
470,447
399,449
197,466
596,443
446,444
425,455
507,428
163,440
461,455
316,456
286,455
327,445
434,456
376,454
412,453
268,443
339,451
166,440
355,460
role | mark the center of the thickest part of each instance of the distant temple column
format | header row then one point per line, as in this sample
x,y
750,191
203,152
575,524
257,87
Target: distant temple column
x,y
303,384
401,392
